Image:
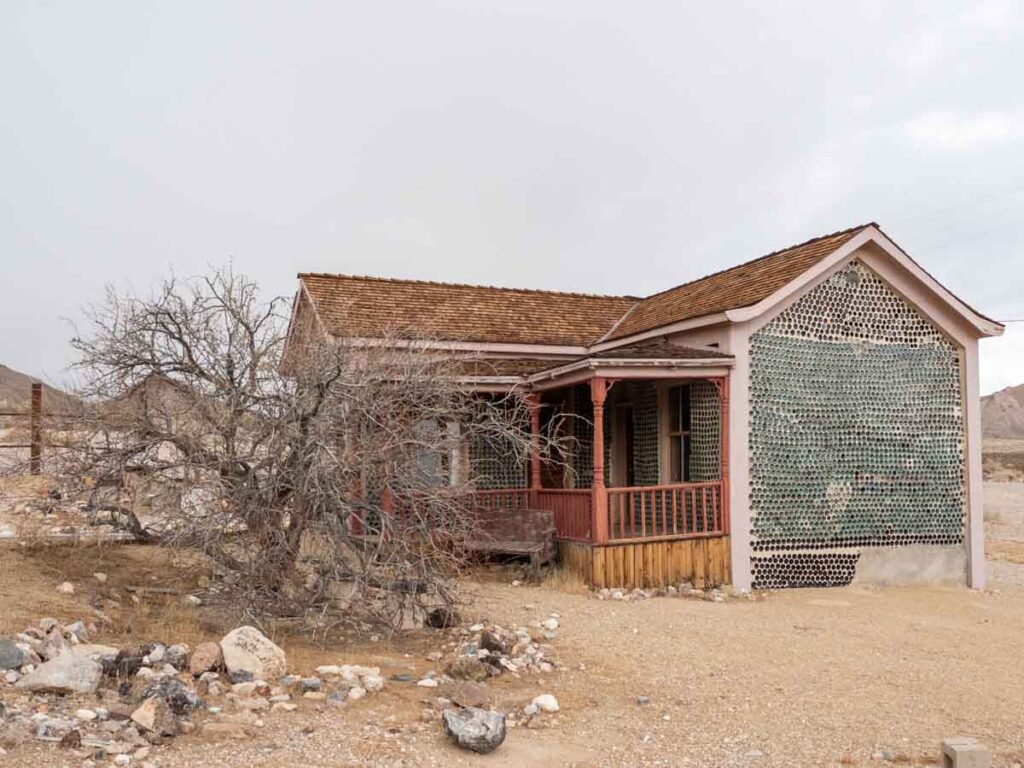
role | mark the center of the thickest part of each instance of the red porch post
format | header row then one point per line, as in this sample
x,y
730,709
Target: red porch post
x,y
599,503
533,401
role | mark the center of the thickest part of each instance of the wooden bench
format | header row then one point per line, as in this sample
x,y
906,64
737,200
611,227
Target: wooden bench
x,y
525,532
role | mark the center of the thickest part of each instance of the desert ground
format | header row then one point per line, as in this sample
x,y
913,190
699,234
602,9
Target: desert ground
x,y
847,677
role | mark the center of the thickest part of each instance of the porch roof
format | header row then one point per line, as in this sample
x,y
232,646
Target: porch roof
x,y
653,356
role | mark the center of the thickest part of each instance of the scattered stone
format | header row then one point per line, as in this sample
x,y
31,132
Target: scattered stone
x,y
551,624
310,684
643,700
100,577
86,714
495,640
11,656
66,588
54,644
470,694
177,656
474,729
468,668
72,739
180,698
101,654
283,706
356,693
964,752
372,682
48,623
67,673
205,658
428,682
79,631
546,703
403,677
249,655
154,716
192,601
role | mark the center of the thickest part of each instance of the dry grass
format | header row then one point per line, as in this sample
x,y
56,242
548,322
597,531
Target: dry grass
x,y
563,579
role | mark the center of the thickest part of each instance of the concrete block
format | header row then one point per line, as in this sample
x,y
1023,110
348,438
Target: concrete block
x,y
963,752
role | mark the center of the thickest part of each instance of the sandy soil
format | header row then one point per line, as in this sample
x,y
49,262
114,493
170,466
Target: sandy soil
x,y
801,678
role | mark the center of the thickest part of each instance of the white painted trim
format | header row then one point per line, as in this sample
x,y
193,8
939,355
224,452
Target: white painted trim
x,y
975,523
621,363
739,459
621,374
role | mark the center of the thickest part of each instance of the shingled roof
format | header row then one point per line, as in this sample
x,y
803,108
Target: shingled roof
x,y
732,288
369,306
353,306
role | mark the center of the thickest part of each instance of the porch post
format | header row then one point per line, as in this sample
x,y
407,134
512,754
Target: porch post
x,y
533,401
599,501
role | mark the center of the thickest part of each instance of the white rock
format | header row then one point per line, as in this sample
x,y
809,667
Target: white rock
x,y
551,624
85,714
95,651
355,694
100,577
66,588
546,703
192,601
427,682
247,652
477,628
122,760
66,674
372,683
530,710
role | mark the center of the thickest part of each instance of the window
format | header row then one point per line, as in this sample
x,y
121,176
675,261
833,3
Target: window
x,y
679,433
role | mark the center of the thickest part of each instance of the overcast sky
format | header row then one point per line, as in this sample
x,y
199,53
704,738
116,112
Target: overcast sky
x,y
606,147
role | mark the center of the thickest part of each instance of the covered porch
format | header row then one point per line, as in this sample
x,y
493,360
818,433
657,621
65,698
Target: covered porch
x,y
640,498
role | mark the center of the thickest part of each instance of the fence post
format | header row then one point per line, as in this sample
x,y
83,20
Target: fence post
x,y
36,429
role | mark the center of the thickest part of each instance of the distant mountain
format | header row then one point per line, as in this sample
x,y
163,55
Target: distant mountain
x,y
16,393
1002,413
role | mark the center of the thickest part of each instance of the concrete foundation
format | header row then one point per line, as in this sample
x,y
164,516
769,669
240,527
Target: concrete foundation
x,y
912,564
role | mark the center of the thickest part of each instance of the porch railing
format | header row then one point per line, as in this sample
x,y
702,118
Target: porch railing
x,y
678,511
665,511
571,508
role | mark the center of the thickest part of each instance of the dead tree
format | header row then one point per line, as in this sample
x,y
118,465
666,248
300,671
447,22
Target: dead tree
x,y
339,480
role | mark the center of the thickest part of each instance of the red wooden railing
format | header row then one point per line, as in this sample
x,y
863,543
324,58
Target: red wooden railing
x,y
665,511
688,510
571,508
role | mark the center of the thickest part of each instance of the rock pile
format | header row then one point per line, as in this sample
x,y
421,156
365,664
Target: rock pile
x,y
489,650
683,589
477,653
101,701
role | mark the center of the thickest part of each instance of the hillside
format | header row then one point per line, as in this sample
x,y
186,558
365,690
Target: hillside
x,y
1002,414
16,393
